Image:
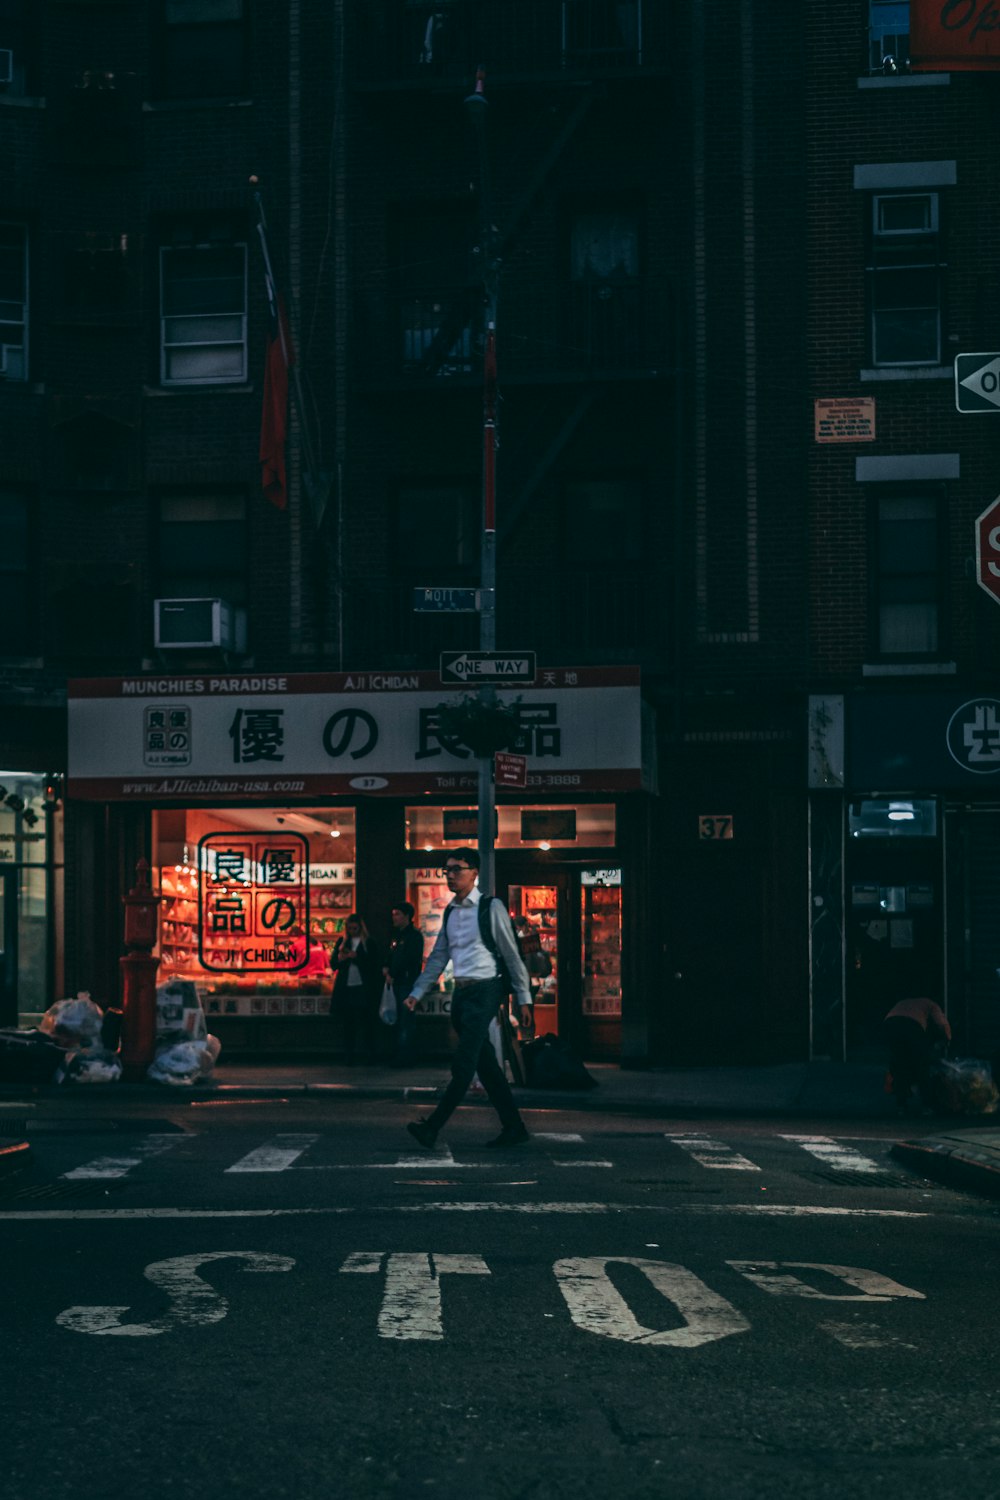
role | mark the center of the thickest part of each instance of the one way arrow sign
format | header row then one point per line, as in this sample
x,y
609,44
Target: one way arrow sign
x,y
977,382
488,667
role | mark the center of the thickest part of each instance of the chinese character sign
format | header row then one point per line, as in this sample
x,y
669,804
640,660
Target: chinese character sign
x,y
254,902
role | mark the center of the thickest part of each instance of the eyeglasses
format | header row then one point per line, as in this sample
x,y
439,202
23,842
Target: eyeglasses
x,y
453,869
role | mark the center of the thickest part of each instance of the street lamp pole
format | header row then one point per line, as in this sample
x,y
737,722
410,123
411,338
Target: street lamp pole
x,y
477,107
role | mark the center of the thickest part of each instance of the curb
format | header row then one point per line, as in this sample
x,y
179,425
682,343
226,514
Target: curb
x,y
588,1101
956,1165
14,1156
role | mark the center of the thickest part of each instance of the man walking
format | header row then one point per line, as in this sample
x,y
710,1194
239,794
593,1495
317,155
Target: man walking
x,y
481,945
406,957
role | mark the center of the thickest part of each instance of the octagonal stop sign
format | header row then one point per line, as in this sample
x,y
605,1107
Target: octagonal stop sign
x,y
988,549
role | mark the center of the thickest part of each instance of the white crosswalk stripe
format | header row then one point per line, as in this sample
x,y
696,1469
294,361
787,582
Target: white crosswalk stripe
x,y
833,1153
711,1153
120,1166
276,1155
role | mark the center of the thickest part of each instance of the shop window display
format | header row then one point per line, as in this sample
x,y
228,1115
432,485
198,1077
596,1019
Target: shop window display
x,y
252,903
601,926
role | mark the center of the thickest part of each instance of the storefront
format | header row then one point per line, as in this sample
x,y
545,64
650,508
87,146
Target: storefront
x,y
908,851
272,807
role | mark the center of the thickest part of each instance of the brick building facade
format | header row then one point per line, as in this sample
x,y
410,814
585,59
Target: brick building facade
x,y
683,271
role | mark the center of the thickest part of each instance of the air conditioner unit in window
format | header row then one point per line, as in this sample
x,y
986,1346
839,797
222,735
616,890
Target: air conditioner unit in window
x,y
198,625
6,65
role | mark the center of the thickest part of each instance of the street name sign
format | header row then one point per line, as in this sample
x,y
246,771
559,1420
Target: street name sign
x,y
510,770
447,601
488,667
977,382
988,550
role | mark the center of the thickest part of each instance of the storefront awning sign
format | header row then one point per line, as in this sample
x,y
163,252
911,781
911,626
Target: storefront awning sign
x,y
269,738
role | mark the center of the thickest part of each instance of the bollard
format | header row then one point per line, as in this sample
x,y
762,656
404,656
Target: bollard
x,y
138,968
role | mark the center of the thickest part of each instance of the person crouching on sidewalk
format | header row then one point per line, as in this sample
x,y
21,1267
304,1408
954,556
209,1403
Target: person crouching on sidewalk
x,y
479,991
911,1029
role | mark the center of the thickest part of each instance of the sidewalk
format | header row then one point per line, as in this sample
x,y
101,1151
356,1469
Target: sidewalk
x,y
961,1158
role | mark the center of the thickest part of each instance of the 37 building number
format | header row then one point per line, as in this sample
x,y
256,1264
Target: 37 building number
x,y
714,826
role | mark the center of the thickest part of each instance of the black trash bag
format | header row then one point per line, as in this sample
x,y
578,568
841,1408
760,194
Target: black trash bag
x,y
29,1057
549,1064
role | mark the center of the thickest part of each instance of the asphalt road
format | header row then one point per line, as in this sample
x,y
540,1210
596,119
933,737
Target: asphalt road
x,y
272,1300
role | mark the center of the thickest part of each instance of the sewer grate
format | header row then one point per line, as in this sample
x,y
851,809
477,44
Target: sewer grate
x,y
58,1192
15,1128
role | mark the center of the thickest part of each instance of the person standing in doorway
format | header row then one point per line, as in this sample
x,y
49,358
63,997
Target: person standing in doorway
x,y
483,952
356,971
406,958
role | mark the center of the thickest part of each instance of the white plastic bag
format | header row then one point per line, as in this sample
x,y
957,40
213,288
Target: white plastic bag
x,y
387,1005
74,1024
179,1014
184,1063
97,1065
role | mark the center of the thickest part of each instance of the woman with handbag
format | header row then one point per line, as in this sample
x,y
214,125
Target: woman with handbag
x,y
357,973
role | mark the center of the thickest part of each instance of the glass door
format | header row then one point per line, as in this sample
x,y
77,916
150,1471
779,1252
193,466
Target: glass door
x,y
601,961
537,909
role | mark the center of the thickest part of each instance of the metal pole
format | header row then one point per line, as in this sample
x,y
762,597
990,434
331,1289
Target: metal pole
x,y
476,107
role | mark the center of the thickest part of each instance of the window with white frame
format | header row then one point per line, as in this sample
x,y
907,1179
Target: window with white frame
x,y
907,574
13,302
202,550
203,313
888,36
904,275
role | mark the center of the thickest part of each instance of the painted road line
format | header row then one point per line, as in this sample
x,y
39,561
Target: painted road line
x,y
193,1302
836,1155
439,1160
411,1305
564,1138
120,1166
664,1210
276,1156
863,1336
574,1161
597,1306
709,1153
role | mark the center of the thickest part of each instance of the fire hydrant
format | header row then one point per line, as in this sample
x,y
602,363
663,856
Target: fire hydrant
x,y
139,967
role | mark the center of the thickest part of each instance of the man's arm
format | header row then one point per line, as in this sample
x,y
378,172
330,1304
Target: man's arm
x,y
434,968
503,936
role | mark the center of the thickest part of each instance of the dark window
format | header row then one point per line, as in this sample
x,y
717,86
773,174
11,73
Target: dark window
x,y
17,603
13,302
438,529
203,52
203,312
17,46
202,552
888,36
904,274
908,575
605,326
439,295
603,521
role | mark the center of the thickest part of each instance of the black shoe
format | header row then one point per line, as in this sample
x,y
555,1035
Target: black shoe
x,y
424,1133
510,1135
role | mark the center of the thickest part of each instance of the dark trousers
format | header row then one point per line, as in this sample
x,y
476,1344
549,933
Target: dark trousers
x,y
359,1022
472,1009
909,1055
406,1025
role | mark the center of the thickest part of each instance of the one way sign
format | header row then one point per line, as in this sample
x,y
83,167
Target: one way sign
x,y
488,666
977,382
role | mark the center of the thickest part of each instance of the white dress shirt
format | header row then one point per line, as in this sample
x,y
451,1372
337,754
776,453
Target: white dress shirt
x,y
459,941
